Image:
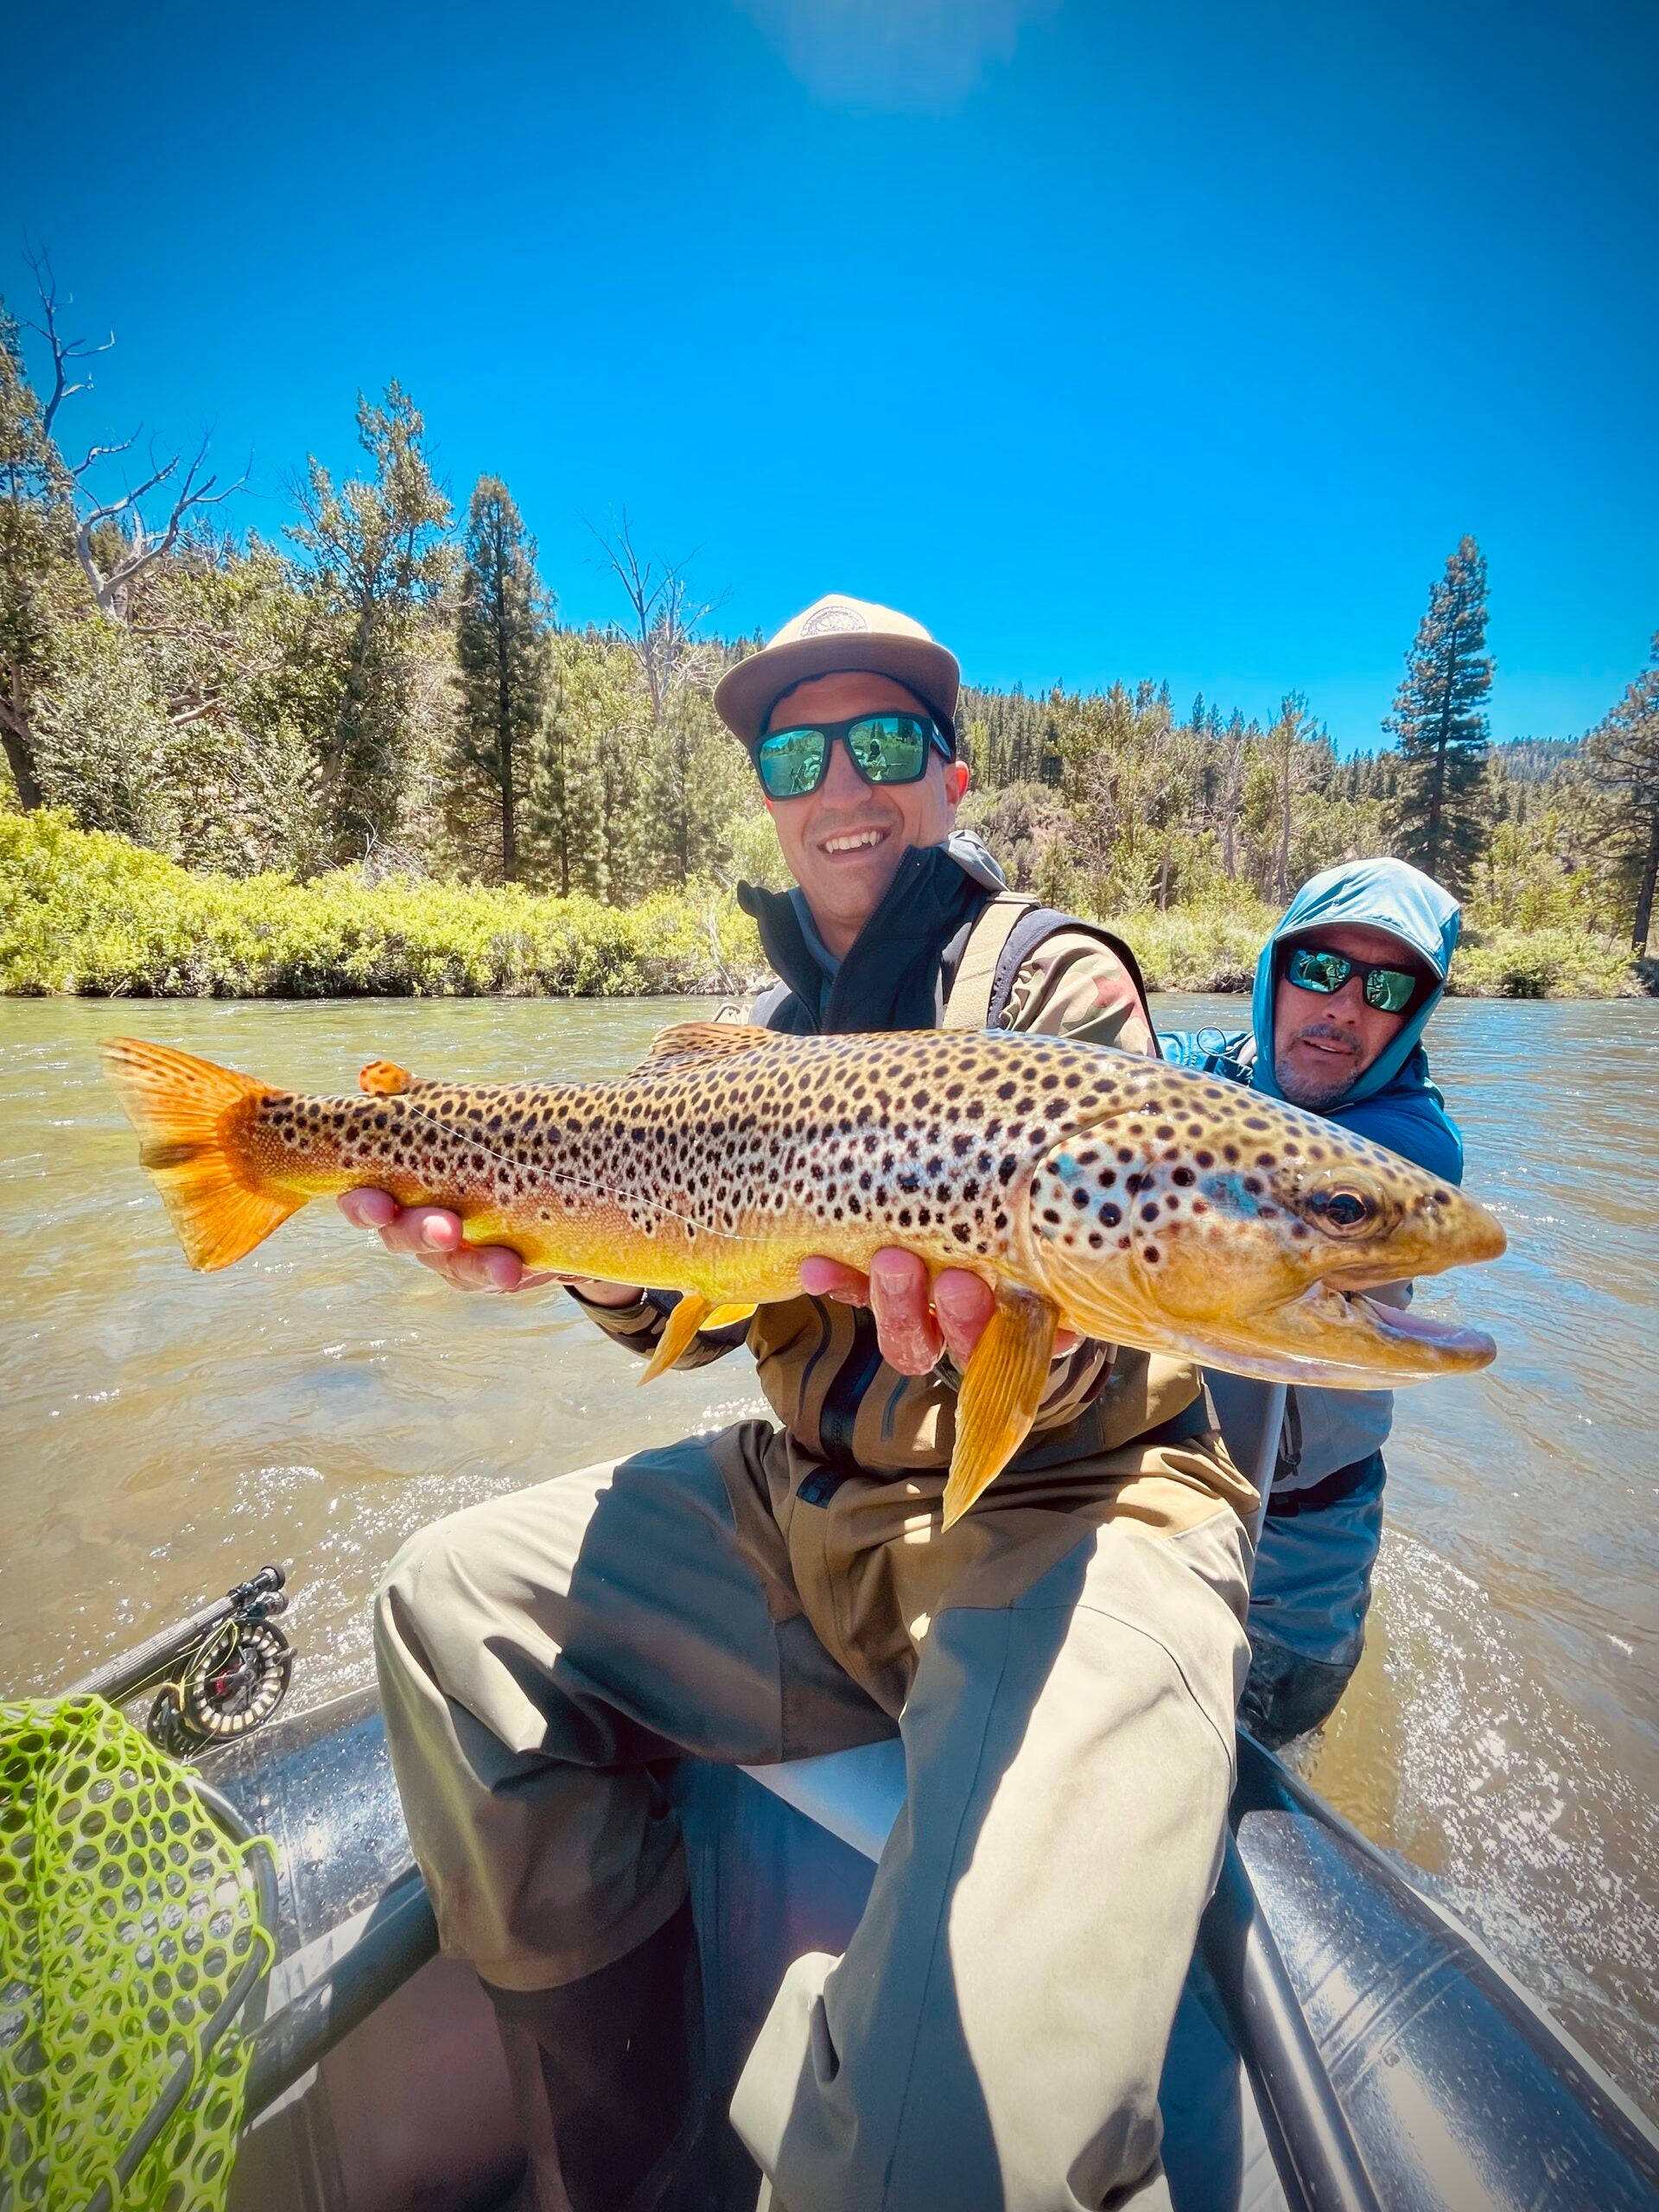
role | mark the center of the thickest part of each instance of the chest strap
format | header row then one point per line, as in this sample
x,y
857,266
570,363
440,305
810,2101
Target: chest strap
x,y
968,1006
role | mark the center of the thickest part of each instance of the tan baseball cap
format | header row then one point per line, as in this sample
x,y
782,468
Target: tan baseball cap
x,y
837,632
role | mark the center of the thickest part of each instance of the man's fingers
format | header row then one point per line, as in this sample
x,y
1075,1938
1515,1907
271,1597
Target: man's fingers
x,y
905,1328
368,1209
830,1279
477,1267
964,1303
436,1236
423,1230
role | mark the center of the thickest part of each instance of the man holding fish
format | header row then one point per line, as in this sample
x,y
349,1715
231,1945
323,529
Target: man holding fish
x,y
991,1516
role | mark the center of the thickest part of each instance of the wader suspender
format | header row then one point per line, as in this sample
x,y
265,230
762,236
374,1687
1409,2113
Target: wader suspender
x,y
1010,928
968,1006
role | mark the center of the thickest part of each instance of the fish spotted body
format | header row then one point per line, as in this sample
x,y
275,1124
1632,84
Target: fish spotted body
x,y
1139,1204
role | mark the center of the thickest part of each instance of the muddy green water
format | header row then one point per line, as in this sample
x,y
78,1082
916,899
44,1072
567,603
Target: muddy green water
x,y
165,1433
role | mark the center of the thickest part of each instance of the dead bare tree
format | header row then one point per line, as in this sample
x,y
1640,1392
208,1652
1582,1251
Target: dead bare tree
x,y
665,617
112,574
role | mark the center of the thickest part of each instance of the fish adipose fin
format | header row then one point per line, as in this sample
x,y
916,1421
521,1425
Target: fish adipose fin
x,y
1001,1389
385,1079
688,1037
193,1120
691,1314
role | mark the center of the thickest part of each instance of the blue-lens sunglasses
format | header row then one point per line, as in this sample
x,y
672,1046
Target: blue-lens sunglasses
x,y
1390,991
884,748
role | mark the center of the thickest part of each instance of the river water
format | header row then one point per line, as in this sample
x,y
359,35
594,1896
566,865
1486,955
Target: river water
x,y
165,1433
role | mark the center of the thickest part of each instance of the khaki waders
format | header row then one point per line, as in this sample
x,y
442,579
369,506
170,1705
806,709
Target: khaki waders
x,y
1063,1669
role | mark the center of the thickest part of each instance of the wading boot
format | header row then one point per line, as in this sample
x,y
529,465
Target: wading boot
x,y
605,2074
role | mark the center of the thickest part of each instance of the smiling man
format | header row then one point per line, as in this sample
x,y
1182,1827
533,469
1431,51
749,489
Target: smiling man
x,y
1062,1664
1343,991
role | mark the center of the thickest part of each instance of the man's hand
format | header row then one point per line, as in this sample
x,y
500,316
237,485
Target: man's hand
x,y
436,1238
914,1319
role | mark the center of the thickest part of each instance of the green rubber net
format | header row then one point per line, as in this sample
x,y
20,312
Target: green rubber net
x,y
131,1936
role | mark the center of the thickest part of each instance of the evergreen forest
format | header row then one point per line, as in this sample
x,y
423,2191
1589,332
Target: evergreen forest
x,y
366,753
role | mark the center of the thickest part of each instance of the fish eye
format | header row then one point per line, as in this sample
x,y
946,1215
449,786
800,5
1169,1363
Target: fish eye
x,y
1341,1208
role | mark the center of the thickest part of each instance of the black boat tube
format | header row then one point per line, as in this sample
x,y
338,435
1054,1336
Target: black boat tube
x,y
401,1934
1318,2161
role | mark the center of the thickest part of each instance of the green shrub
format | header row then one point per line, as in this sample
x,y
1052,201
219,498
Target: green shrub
x,y
1555,963
86,912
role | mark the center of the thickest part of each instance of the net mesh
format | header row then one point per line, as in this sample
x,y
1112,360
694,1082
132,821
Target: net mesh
x,y
125,1916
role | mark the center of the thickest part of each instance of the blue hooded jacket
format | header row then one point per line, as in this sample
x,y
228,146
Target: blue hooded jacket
x,y
1393,1103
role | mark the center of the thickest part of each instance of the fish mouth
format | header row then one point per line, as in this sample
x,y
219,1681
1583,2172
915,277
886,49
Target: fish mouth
x,y
1340,1339
1460,1346
1336,1334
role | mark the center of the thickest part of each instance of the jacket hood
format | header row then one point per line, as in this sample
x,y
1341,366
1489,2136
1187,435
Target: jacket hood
x,y
1378,894
975,859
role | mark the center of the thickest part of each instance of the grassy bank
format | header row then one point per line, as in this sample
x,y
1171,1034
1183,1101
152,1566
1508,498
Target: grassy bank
x,y
93,914
83,912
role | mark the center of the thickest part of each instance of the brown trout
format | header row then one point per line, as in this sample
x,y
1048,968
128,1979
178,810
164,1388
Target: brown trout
x,y
1137,1204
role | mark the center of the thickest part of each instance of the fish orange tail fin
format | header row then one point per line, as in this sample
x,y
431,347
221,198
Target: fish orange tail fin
x,y
194,1122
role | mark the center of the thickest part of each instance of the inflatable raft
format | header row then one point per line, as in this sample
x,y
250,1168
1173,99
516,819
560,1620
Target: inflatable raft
x,y
1341,2041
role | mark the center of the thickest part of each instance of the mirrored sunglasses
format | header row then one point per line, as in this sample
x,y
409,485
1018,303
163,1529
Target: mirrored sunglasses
x,y
884,748
1390,991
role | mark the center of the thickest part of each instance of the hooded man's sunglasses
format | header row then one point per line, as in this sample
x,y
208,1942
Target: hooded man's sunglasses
x,y
884,748
1390,991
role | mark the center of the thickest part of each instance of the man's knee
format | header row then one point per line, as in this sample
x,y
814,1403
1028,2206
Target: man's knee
x,y
430,1566
490,1563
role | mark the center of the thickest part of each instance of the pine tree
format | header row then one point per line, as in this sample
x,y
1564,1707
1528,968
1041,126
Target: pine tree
x,y
36,547
378,556
504,612
1623,755
1441,721
1287,750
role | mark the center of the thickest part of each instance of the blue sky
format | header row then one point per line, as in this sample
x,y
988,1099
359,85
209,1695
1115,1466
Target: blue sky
x,y
1109,340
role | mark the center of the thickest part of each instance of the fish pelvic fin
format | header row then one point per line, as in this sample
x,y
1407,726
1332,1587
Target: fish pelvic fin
x,y
686,1038
1001,1387
194,1120
385,1079
691,1314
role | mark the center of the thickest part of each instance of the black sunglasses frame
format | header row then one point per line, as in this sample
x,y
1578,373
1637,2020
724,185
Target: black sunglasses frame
x,y
833,732
1422,986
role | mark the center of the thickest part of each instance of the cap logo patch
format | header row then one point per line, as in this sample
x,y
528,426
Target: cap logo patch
x,y
828,620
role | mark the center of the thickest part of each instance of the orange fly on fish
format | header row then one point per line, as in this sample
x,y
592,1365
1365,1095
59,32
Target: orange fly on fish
x,y
1137,1204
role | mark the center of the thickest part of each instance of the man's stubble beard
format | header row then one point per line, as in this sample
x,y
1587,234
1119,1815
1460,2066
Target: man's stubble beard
x,y
1316,1097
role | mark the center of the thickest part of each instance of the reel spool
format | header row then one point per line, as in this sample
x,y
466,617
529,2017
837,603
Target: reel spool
x,y
232,1684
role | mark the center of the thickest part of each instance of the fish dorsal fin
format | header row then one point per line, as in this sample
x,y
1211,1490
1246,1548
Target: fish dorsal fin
x,y
687,1038
385,1079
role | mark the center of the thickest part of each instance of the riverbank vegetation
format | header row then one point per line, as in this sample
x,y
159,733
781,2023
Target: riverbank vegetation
x,y
366,755
88,912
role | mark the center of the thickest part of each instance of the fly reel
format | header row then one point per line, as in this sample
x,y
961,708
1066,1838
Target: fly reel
x,y
231,1681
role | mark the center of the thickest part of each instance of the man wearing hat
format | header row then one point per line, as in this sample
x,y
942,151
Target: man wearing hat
x,y
1062,1666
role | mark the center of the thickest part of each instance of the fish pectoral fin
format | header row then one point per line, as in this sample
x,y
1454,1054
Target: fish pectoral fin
x,y
1001,1387
686,1038
691,1314
385,1079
